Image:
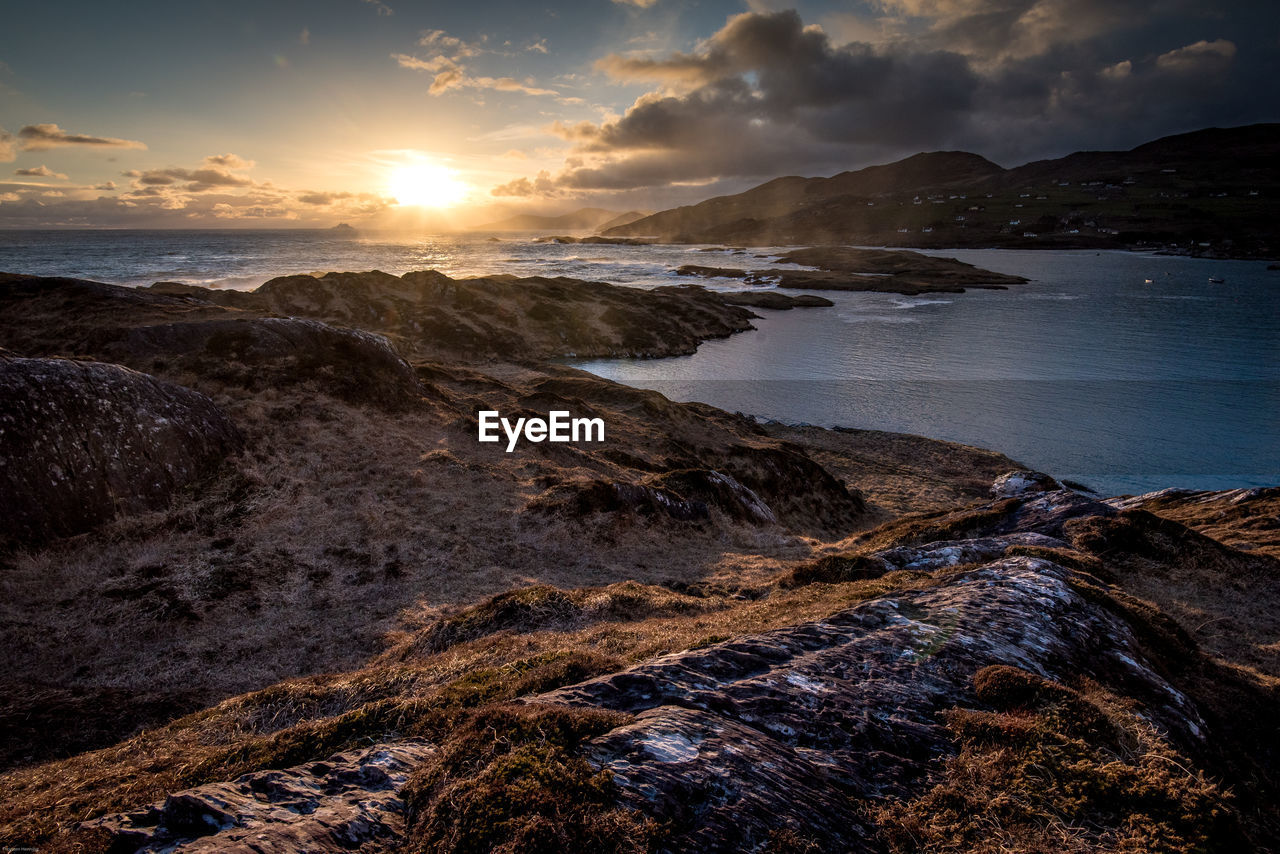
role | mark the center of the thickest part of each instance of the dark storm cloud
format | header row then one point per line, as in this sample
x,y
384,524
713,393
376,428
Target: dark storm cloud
x,y
996,29
1010,79
768,94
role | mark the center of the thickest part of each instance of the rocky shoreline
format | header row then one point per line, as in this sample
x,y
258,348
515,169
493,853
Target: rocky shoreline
x,y
265,591
842,268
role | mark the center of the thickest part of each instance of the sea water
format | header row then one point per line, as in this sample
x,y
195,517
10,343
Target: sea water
x,y
1087,371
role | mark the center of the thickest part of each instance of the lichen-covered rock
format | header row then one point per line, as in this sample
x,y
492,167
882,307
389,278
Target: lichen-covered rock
x,y
946,553
791,729
350,801
1014,483
84,442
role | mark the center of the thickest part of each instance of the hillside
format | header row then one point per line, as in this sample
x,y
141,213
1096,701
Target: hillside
x,y
1211,192
264,591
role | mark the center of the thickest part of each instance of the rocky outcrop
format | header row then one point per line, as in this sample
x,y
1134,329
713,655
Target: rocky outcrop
x,y
595,239
427,312
259,353
347,802
1246,519
773,300
795,729
84,442
424,313
1014,483
842,268
686,496
794,738
757,486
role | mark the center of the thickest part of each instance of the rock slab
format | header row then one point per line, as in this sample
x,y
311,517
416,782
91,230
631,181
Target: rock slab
x,y
84,442
350,801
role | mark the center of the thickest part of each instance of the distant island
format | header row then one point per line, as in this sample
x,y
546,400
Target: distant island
x,y
1207,193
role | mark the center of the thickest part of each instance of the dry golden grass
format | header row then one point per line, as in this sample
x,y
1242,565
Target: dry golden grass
x,y
1228,600
402,693
1055,768
1250,522
1048,769
302,557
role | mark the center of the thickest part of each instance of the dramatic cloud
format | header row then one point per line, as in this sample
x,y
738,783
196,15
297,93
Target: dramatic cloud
x,y
769,94
449,72
214,191
41,171
991,30
47,136
1119,71
523,187
1201,57
762,95
209,177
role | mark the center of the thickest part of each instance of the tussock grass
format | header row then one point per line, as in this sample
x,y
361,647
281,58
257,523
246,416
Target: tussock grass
x,y
1045,768
509,779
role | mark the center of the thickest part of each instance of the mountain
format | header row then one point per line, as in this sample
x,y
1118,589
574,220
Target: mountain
x,y
1207,192
622,219
583,219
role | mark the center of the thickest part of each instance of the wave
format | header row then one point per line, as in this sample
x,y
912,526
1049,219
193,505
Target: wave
x,y
877,318
908,302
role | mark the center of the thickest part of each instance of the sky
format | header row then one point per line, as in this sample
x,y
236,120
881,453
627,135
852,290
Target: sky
x,y
426,115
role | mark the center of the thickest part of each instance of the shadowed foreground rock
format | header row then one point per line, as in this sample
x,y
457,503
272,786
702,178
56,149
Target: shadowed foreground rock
x,y
270,352
84,442
349,801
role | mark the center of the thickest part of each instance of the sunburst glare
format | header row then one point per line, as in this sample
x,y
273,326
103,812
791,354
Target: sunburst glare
x,y
426,185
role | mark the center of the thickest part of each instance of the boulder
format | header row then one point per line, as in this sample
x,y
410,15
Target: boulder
x,y
350,364
1015,483
84,442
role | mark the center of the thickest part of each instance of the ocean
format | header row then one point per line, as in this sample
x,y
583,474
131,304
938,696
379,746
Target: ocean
x,y
1088,371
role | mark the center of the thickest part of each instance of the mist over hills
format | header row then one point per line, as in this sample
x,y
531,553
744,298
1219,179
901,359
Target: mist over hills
x,y
583,219
1207,192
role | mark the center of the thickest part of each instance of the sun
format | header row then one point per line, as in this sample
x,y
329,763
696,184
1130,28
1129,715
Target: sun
x,y
426,185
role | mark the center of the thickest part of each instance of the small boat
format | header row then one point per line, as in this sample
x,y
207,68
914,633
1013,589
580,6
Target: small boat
x,y
1148,281
1214,281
